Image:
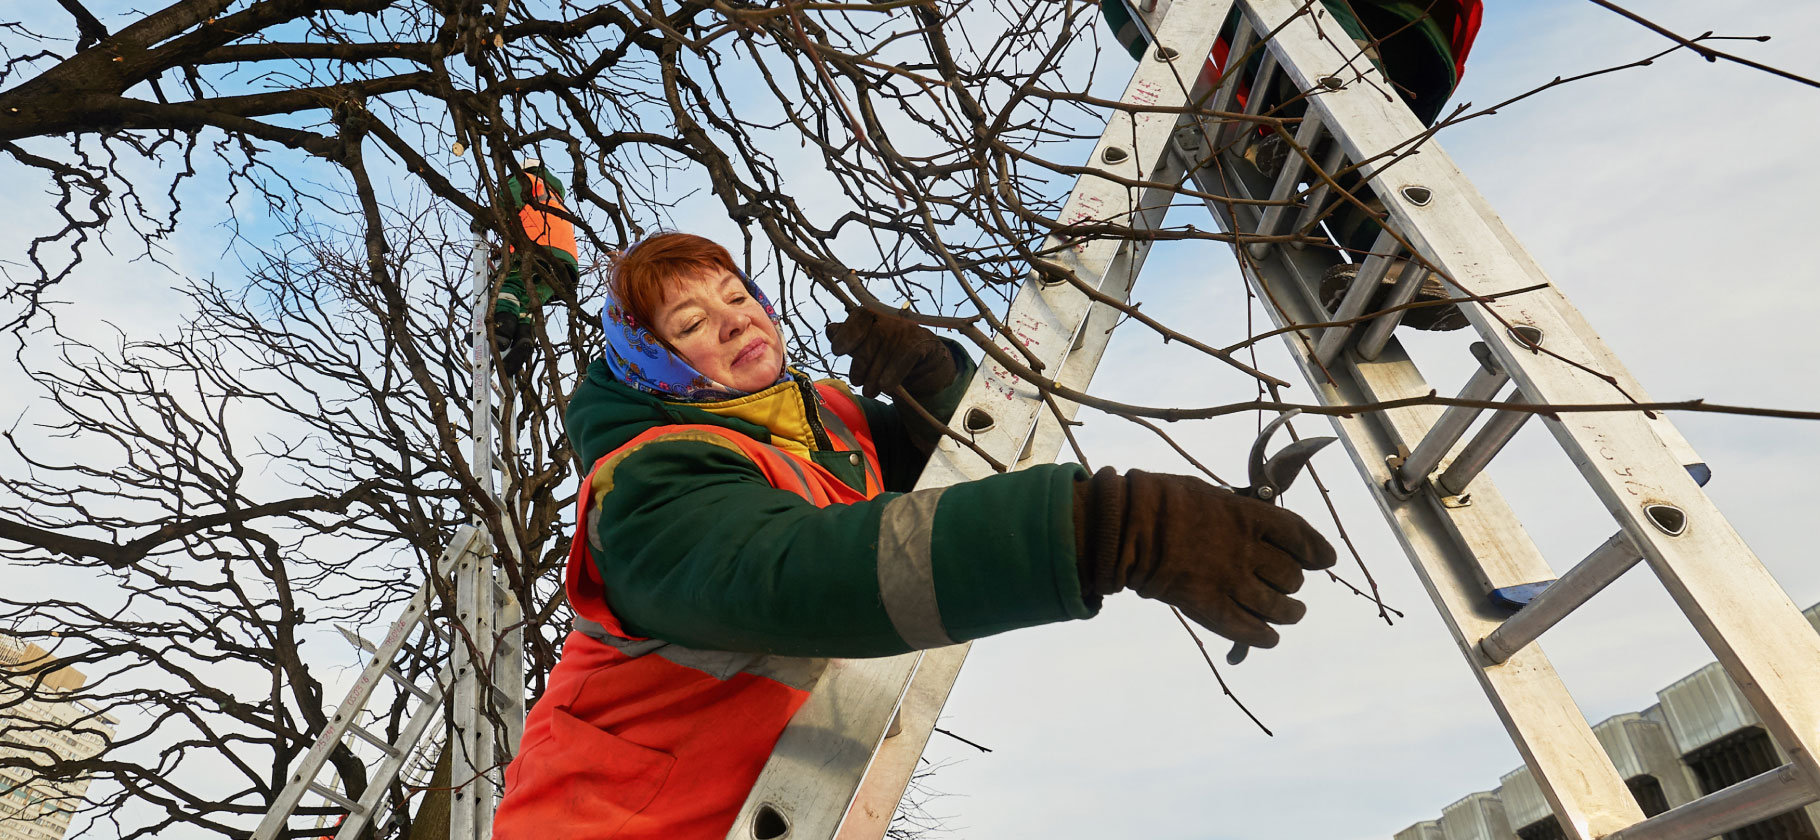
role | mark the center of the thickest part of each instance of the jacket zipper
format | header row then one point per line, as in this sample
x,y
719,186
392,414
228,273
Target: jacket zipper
x,y
813,414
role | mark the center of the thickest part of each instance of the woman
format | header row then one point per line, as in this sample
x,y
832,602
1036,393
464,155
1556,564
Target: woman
x,y
741,521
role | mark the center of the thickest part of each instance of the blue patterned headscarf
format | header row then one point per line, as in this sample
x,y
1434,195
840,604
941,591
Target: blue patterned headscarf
x,y
638,359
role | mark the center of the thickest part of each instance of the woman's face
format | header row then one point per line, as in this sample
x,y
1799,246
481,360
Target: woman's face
x,y
721,330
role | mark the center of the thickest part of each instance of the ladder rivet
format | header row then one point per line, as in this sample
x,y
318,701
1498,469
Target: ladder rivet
x,y
1669,519
1419,196
1333,83
1050,277
1527,335
1114,154
769,823
1166,53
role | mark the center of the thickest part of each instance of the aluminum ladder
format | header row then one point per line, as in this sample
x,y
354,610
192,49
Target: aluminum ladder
x,y
834,772
1493,588
478,693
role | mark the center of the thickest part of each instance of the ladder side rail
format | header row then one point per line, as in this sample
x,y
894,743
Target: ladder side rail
x,y
1605,360
285,803
509,690
816,767
466,711
889,776
487,785
894,764
480,360
1460,554
814,774
485,719
1749,622
506,694
471,802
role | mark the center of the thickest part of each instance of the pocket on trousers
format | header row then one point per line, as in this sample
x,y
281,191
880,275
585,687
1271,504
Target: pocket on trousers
x,y
585,782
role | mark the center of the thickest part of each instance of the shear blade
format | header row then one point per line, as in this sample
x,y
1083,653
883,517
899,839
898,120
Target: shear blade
x,y
1281,470
1255,463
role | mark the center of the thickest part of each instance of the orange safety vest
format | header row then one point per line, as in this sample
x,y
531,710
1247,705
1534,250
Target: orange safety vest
x,y
637,739
540,225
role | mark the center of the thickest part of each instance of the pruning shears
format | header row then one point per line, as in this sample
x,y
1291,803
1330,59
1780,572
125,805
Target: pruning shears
x,y
1271,476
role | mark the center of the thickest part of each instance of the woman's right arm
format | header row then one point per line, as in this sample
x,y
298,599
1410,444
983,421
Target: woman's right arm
x,y
696,548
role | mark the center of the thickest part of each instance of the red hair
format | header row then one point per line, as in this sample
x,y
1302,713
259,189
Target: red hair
x,y
644,274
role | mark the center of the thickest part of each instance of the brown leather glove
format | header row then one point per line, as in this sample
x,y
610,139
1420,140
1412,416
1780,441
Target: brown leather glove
x,y
889,351
1226,561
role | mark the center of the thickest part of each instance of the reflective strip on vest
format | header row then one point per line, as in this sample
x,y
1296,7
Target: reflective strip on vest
x,y
794,671
838,427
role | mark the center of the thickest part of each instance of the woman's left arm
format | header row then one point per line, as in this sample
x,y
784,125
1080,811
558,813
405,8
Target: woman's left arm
x,y
903,437
892,354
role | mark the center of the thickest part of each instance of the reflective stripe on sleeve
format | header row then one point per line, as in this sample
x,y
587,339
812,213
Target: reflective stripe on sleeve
x,y
906,572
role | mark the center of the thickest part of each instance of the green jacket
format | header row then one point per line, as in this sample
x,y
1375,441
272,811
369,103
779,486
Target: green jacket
x,y
697,549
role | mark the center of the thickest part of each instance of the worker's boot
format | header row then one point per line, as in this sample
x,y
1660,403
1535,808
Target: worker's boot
x,y
1338,279
513,339
1267,154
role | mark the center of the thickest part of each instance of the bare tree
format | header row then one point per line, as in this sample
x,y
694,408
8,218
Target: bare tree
x,y
267,471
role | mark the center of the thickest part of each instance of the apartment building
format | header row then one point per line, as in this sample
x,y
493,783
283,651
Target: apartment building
x,y
32,807
1699,737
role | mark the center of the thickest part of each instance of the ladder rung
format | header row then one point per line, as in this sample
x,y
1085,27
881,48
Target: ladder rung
x,y
1484,446
1330,163
375,740
1306,136
1605,564
336,797
1492,437
1755,799
1484,385
1377,333
1241,132
362,643
1229,81
1364,286
407,685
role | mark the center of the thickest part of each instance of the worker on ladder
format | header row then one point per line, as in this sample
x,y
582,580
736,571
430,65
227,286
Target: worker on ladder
x,y
1421,47
741,521
535,193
